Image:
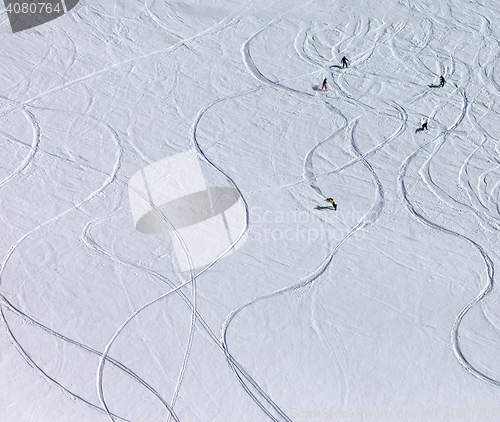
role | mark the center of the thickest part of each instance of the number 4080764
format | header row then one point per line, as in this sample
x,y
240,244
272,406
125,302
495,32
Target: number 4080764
x,y
471,413
33,8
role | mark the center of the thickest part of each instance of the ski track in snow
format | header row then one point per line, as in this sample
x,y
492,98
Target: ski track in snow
x,y
195,315
104,358
483,204
34,147
109,180
369,217
487,260
425,173
175,289
192,305
17,312
226,22
237,369
31,362
106,183
476,207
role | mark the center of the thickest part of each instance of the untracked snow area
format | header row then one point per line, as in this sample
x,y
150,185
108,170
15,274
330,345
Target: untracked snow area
x,y
288,311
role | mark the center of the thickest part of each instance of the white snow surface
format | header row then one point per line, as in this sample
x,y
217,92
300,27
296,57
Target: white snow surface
x,y
387,308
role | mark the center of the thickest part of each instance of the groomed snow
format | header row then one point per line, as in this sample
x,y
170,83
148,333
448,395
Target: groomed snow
x,y
386,309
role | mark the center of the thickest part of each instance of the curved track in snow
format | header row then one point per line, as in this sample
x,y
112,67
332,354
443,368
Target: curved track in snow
x,y
251,387
487,260
357,87
476,207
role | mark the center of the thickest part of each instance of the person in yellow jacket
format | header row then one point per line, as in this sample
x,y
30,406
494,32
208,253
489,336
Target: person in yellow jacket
x,y
331,201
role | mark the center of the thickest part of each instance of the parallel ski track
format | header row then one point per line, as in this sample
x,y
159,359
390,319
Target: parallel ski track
x,y
488,80
195,317
109,180
224,23
487,260
91,244
119,330
371,216
425,173
87,238
427,177
5,303
237,369
217,27
32,363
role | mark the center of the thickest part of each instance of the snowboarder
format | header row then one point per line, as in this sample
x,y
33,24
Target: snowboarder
x,y
345,62
441,80
424,126
331,201
324,84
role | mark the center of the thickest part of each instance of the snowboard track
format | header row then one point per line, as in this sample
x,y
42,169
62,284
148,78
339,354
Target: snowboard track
x,y
371,216
360,30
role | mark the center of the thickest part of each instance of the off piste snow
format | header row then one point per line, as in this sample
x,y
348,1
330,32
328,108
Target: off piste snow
x,y
249,211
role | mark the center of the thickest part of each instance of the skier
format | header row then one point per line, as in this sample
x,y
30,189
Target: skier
x,y
441,80
324,84
424,126
345,62
331,201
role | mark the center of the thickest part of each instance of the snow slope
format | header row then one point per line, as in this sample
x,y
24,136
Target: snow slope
x,y
386,308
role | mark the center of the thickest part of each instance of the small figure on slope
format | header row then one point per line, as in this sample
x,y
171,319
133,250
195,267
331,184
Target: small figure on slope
x,y
424,126
331,201
345,62
441,81
324,84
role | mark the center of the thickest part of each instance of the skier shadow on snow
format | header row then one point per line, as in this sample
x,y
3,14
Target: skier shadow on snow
x,y
336,66
318,207
434,86
316,88
419,129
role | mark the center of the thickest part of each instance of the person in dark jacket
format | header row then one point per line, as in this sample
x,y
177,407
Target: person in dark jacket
x,y
345,62
324,84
